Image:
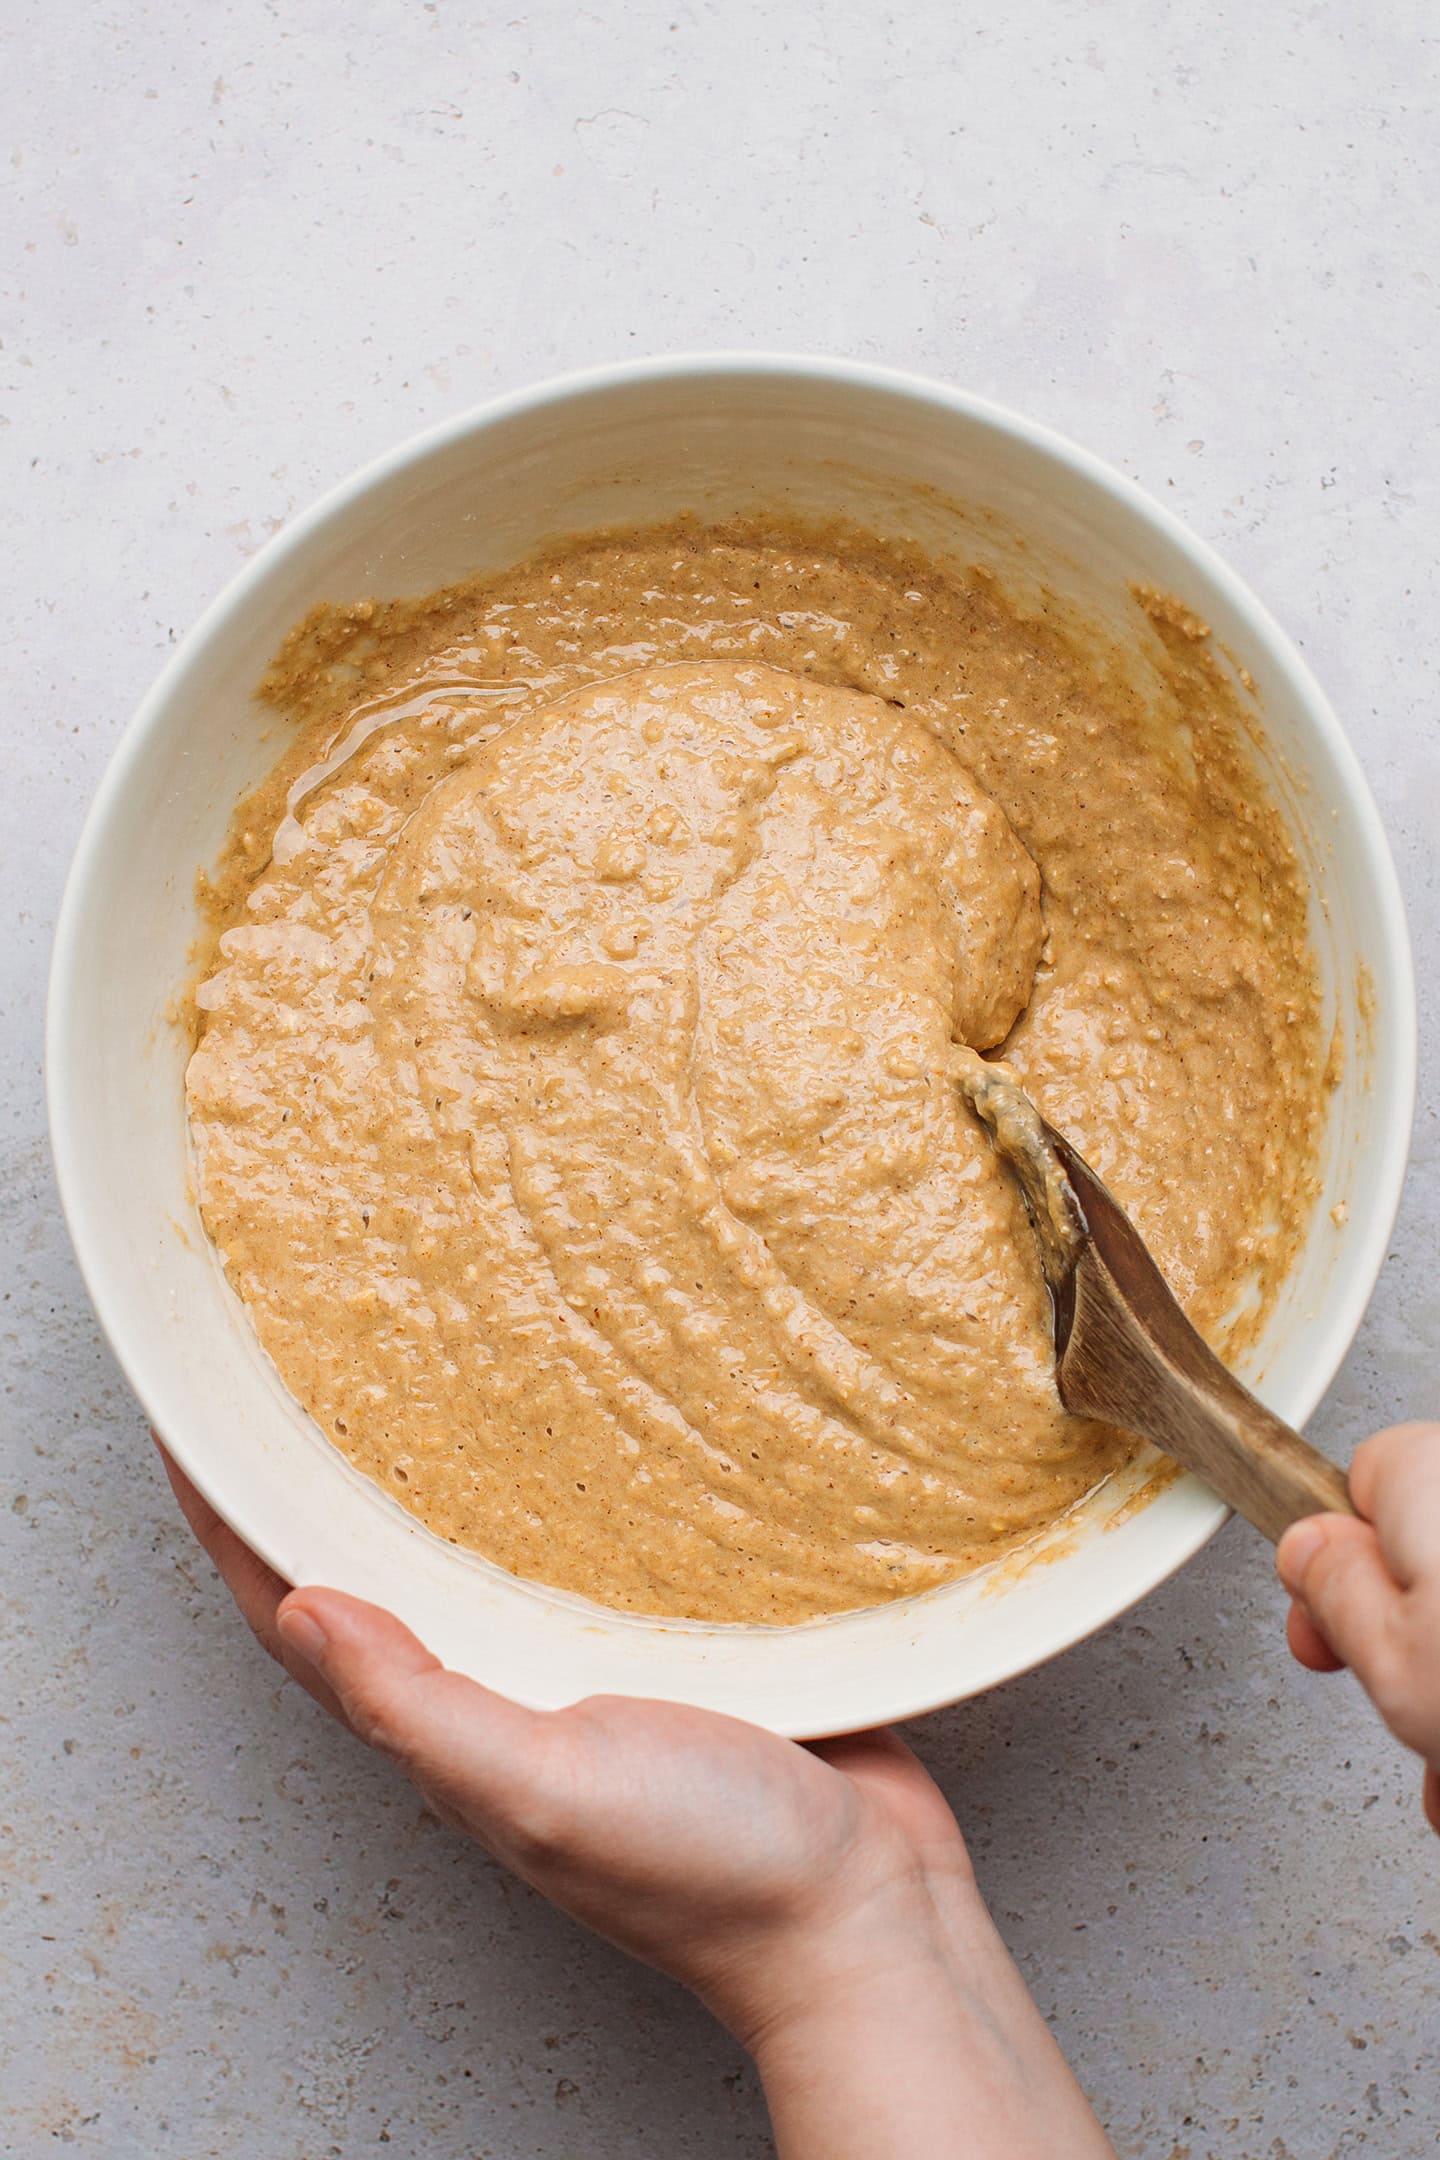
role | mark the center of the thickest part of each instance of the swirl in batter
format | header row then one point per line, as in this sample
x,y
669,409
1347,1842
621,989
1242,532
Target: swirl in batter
x,y
572,1103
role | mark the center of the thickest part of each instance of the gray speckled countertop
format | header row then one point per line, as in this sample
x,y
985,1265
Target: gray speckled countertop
x,y
245,247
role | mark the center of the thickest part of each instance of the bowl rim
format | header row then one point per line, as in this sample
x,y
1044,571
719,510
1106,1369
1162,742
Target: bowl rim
x,y
1395,1033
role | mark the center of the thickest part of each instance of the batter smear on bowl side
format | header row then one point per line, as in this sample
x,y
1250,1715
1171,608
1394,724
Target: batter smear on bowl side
x,y
572,1103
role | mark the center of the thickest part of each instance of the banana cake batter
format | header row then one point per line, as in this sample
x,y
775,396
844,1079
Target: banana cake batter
x,y
572,1102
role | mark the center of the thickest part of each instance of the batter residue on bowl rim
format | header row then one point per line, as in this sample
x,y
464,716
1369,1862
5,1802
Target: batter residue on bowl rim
x,y
571,1101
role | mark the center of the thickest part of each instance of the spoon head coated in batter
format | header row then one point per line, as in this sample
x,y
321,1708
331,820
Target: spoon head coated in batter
x,y
1124,1350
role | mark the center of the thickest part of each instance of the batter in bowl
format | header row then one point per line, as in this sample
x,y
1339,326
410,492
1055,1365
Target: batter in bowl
x,y
571,1100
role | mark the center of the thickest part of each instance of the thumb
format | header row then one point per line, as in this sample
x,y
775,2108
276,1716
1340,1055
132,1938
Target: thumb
x,y
1332,1565
462,1744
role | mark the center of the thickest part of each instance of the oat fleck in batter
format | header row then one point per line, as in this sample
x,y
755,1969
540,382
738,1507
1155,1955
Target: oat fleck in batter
x,y
572,1101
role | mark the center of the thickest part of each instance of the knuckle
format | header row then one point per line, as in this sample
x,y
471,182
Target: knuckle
x,y
542,1830
538,1836
373,1721
1325,1587
445,1808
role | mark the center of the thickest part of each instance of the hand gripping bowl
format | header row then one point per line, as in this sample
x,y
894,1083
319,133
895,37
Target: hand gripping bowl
x,y
632,443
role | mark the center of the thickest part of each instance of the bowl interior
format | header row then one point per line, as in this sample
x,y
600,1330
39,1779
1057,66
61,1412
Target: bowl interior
x,y
639,444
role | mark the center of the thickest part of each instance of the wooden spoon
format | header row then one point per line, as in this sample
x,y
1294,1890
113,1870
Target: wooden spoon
x,y
1124,1351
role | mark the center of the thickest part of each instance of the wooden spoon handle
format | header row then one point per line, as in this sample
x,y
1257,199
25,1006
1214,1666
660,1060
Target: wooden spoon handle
x,y
1254,1461
1163,1382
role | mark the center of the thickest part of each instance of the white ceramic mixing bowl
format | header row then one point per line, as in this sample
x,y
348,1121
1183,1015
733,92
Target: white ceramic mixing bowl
x,y
640,442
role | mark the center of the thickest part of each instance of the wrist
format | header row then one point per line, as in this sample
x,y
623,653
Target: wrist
x,y
908,2034
824,1967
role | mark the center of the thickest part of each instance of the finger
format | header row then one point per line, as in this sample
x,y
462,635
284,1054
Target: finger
x,y
848,1751
1334,1566
1307,1645
1395,1484
256,1588
474,1751
1431,1797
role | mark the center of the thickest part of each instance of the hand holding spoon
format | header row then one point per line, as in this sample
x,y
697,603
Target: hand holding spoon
x,y
1124,1351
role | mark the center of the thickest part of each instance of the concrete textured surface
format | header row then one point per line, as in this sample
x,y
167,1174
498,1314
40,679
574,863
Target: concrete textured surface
x,y
245,247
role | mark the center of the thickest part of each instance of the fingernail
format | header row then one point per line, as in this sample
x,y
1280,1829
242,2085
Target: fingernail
x,y
1296,1550
303,1634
